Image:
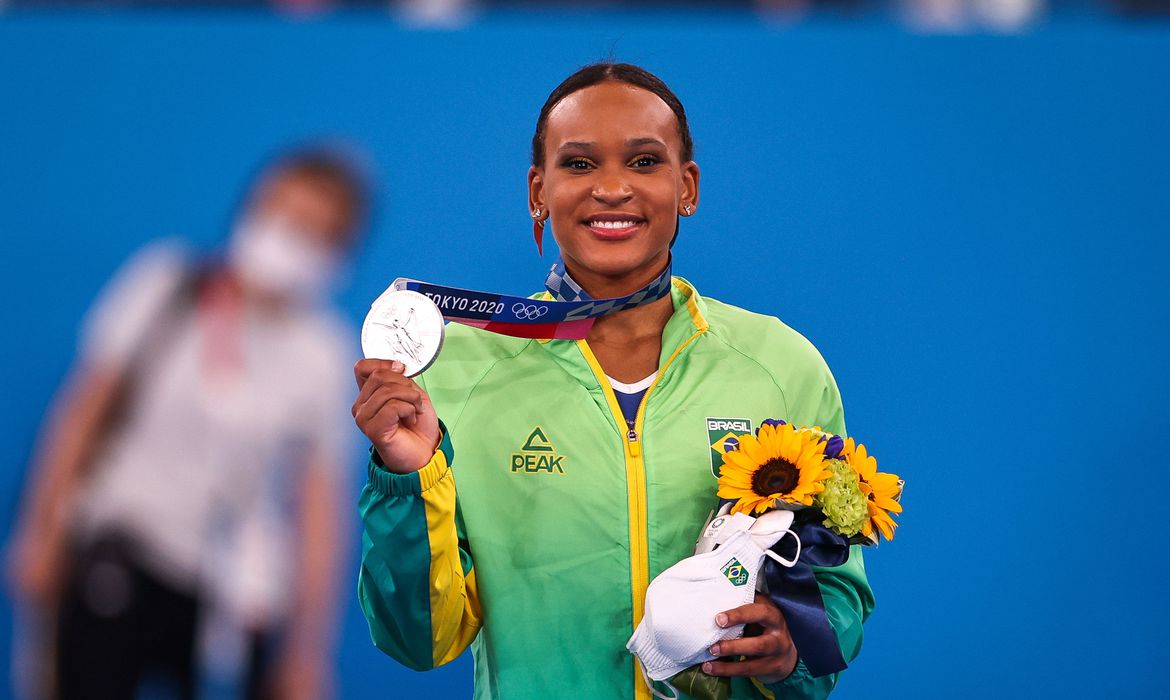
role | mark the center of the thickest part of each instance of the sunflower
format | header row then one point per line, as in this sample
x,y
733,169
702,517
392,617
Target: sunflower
x,y
780,463
882,491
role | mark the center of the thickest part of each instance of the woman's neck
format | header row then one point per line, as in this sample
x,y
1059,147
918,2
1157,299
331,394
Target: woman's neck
x,y
601,286
633,325
627,343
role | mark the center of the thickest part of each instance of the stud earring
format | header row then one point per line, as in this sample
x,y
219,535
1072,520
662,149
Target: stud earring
x,y
687,209
538,231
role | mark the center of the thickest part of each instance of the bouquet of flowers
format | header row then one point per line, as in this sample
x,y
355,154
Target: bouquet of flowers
x,y
838,499
806,468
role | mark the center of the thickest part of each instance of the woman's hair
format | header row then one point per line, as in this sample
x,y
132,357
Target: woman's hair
x,y
607,71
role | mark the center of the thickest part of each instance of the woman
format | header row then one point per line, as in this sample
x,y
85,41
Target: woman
x,y
567,474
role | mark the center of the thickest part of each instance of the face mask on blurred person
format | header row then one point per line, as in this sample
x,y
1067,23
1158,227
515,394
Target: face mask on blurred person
x,y
272,255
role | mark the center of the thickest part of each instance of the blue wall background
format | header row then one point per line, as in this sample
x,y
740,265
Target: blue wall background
x,y
973,230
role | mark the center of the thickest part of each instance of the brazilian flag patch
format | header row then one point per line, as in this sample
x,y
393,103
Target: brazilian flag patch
x,y
735,572
724,433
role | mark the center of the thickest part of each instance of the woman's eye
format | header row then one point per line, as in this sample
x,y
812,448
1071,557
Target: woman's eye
x,y
645,162
577,164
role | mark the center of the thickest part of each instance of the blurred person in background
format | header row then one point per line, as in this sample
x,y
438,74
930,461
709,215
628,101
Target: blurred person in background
x,y
183,509
942,16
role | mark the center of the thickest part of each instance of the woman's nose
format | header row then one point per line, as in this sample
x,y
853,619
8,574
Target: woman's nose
x,y
612,190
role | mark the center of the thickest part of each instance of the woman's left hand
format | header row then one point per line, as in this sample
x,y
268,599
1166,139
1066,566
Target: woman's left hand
x,y
771,654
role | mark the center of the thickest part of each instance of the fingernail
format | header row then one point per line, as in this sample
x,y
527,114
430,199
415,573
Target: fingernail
x,y
714,649
721,620
397,366
707,667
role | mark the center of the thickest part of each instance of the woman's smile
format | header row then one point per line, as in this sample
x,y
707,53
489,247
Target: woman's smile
x,y
614,226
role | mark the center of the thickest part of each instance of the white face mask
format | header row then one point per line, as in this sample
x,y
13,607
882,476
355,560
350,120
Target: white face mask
x,y
271,254
679,625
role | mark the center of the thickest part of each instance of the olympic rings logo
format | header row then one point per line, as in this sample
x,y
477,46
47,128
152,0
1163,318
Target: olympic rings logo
x,y
529,312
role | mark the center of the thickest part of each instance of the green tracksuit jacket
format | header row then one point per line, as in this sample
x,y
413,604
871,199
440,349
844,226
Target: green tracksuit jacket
x,y
534,531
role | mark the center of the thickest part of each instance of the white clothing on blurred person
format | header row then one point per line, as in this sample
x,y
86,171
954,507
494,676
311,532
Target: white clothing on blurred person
x,y
224,414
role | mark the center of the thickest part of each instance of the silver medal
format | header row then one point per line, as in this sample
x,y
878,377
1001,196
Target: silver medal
x,y
405,326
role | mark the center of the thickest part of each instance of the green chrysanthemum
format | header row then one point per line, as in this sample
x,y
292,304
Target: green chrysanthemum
x,y
842,501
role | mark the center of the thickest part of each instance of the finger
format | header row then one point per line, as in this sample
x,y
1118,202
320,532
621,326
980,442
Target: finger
x,y
425,408
385,398
768,644
406,410
384,379
364,368
384,376
387,393
404,394
365,414
766,666
387,419
760,613
403,389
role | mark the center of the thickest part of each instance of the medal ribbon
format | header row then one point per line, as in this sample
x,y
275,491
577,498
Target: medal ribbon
x,y
568,318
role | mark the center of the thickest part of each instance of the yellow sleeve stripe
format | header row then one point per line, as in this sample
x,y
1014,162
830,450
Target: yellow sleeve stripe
x,y
768,695
455,612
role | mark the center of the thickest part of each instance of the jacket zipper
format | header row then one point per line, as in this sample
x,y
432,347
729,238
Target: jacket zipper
x,y
636,479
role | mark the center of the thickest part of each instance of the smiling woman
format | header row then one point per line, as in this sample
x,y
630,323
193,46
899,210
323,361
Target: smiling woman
x,y
546,568
622,179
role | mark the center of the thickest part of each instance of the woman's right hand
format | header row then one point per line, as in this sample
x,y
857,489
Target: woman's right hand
x,y
396,415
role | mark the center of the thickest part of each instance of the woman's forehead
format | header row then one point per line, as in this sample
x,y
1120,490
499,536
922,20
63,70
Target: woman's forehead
x,y
611,113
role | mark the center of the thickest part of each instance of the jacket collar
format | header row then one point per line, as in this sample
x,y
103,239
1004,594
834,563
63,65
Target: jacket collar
x,y
689,317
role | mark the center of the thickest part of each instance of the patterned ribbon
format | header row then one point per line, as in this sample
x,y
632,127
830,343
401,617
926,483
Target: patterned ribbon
x,y
562,286
569,317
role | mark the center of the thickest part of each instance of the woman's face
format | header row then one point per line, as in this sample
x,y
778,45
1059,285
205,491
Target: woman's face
x,y
613,181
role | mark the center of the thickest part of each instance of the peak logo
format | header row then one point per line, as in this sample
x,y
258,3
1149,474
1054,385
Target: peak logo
x,y
538,456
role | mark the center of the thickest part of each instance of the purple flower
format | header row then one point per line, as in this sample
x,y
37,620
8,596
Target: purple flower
x,y
834,446
774,422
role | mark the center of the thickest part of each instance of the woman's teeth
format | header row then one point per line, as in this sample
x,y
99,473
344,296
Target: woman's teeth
x,y
613,224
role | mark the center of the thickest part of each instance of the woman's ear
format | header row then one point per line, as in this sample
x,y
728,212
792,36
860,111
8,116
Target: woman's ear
x,y
689,201
536,191
536,207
